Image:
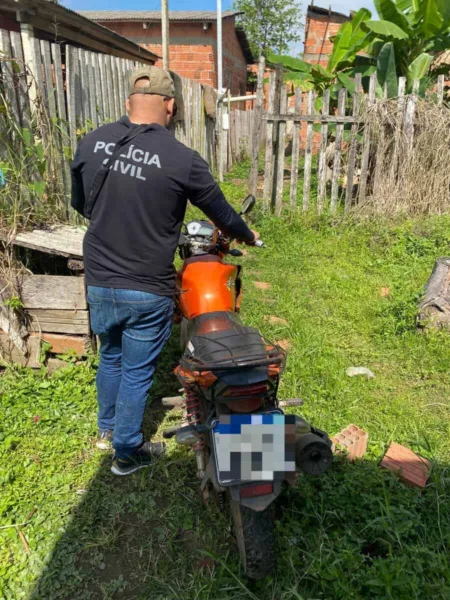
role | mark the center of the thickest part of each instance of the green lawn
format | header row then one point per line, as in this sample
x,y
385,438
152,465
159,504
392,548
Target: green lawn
x,y
355,533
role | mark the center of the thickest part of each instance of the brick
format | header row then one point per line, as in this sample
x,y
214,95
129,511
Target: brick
x,y
411,468
353,439
62,344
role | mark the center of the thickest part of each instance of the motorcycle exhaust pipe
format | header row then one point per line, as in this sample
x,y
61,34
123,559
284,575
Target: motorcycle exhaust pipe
x,y
313,456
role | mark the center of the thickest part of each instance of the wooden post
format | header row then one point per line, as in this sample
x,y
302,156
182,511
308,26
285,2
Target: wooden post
x,y
280,154
352,153
322,176
49,88
342,101
268,166
295,148
257,127
92,76
308,153
366,143
62,114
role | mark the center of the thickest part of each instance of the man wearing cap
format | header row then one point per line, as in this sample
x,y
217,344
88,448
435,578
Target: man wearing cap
x,y
132,180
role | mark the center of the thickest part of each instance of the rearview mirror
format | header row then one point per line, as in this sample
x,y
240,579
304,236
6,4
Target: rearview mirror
x,y
248,204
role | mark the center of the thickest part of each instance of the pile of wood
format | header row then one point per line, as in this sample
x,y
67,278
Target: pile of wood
x,y
54,309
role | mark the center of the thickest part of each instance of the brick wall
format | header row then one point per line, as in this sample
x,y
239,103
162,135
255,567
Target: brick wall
x,y
192,50
319,28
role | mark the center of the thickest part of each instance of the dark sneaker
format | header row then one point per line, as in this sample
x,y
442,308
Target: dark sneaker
x,y
140,459
104,440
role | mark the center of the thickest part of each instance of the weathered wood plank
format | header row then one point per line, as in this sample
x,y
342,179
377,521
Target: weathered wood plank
x,y
280,156
59,321
109,87
295,150
36,50
121,87
95,65
367,142
62,240
63,138
103,100
91,76
410,113
71,83
440,90
7,71
399,121
352,152
322,174
342,101
434,309
268,164
49,87
21,77
27,36
115,88
256,137
311,118
308,153
85,113
53,292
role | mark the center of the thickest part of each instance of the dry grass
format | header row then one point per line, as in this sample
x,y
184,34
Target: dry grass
x,y
409,171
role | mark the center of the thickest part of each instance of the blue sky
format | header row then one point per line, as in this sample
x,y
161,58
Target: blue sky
x,y
338,5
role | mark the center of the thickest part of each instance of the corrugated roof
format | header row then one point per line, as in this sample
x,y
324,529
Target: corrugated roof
x,y
319,10
154,15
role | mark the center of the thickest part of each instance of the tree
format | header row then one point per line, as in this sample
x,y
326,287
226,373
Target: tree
x,y
270,25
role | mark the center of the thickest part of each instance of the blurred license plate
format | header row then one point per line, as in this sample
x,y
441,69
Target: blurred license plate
x,y
254,447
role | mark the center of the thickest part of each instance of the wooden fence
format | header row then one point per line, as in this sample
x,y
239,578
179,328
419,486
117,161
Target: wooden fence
x,y
79,90
336,171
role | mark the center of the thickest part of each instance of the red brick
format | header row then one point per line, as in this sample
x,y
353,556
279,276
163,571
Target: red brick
x,y
411,468
353,439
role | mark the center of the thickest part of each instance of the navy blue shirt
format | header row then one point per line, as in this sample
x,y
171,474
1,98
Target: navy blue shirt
x,y
136,220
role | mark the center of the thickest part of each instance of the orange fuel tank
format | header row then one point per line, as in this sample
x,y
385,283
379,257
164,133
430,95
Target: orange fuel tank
x,y
206,284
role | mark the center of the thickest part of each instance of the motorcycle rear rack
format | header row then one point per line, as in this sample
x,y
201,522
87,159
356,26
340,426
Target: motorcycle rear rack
x,y
273,354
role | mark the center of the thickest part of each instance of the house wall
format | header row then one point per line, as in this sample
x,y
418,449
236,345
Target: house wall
x,y
192,50
319,28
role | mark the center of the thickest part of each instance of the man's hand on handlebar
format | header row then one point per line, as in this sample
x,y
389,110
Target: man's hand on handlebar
x,y
255,240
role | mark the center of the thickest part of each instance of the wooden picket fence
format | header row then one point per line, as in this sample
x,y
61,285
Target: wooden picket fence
x,y
347,180
78,91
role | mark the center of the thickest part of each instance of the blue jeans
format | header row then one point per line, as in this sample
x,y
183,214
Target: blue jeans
x,y
133,328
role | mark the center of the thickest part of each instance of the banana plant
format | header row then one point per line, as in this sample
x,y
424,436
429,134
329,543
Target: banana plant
x,y
401,43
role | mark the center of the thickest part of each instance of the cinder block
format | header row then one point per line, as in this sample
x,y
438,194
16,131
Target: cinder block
x,y
353,440
412,469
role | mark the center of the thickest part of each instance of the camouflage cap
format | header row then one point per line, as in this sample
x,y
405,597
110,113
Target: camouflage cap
x,y
160,82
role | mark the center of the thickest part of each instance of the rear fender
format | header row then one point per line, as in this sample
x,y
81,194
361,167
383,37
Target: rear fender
x,y
259,503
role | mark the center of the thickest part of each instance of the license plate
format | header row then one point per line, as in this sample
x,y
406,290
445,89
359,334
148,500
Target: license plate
x,y
257,447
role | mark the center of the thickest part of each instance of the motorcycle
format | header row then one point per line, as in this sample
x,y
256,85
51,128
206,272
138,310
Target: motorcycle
x,y
246,448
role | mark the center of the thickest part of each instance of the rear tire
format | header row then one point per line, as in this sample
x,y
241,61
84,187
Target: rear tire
x,y
255,536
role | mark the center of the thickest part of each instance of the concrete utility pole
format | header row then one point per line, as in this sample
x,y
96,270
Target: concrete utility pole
x,y
219,47
165,32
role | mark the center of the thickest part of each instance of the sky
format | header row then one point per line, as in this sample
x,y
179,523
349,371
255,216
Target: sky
x,y
343,6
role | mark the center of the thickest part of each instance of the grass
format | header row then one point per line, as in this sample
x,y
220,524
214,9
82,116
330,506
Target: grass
x,y
355,533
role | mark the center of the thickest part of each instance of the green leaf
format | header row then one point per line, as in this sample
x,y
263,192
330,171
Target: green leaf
x,y
290,63
347,82
297,77
431,19
386,70
444,9
349,40
321,73
385,29
388,11
403,4
26,136
419,67
39,188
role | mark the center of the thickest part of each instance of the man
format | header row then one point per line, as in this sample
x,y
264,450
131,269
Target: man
x,y
133,179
